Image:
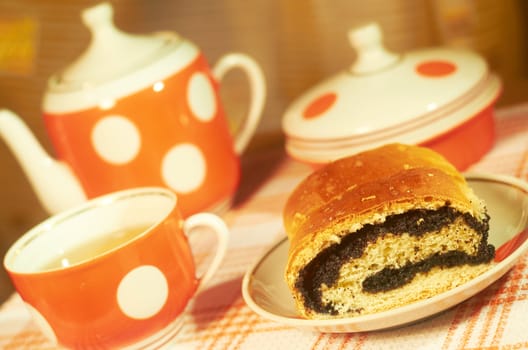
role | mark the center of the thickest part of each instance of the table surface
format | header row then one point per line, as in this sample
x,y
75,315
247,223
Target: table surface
x,y
218,318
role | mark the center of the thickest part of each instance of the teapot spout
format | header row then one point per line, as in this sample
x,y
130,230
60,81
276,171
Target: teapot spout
x,y
54,183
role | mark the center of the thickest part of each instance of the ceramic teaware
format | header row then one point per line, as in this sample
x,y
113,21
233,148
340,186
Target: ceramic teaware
x,y
137,110
441,97
116,271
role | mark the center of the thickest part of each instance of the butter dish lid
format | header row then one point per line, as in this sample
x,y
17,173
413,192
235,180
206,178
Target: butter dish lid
x,y
385,92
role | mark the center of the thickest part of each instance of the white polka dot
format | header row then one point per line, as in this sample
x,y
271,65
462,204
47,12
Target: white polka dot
x,y
183,168
142,292
116,139
43,325
201,97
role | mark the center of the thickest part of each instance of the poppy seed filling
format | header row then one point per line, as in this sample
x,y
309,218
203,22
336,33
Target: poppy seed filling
x,y
324,268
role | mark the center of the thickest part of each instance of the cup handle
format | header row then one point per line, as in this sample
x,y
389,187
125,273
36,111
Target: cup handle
x,y
257,85
218,226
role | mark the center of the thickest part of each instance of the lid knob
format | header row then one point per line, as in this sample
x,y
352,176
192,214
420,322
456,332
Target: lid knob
x,y
98,16
111,52
371,54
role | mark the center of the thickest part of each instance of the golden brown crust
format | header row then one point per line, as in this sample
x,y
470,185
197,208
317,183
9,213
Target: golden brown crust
x,y
350,176
342,196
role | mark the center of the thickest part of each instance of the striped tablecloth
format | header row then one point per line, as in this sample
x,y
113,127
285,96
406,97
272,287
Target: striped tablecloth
x,y
496,318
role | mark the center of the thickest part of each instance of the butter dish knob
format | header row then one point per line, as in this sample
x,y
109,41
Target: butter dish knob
x,y
372,56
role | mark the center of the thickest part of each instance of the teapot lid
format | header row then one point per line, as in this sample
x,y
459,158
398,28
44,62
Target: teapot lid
x,y
111,53
383,91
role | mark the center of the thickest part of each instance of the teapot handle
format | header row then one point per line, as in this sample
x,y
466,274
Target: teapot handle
x,y
257,85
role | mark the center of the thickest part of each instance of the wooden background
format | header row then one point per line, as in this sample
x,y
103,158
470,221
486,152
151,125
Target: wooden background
x,y
297,43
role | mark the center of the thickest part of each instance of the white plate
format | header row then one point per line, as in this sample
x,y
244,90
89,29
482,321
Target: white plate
x,y
265,291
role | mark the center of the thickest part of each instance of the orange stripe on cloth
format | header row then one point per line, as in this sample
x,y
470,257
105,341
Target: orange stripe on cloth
x,y
504,163
318,341
491,316
513,346
340,341
29,339
347,341
229,330
227,335
237,316
489,297
246,330
516,278
361,341
473,319
458,318
495,304
500,306
490,304
219,316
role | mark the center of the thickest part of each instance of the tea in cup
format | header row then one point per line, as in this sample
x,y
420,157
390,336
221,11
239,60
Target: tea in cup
x,y
115,272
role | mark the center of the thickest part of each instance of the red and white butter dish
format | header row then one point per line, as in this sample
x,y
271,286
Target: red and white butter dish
x,y
442,98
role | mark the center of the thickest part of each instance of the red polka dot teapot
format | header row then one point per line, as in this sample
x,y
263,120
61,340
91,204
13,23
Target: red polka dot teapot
x,y
442,98
137,110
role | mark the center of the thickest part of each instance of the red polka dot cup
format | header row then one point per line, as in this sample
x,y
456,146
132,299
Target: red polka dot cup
x,y
115,272
138,111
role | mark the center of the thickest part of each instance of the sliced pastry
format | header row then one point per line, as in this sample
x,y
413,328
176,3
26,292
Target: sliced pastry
x,y
382,229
